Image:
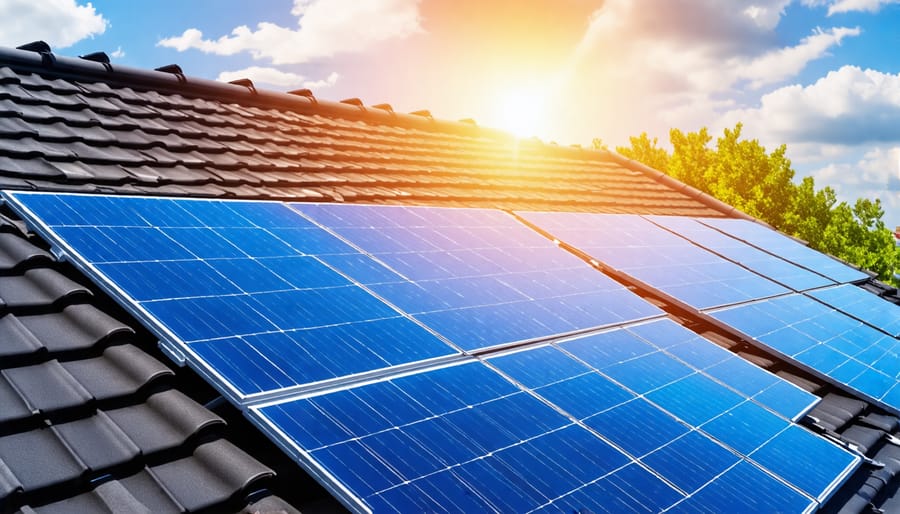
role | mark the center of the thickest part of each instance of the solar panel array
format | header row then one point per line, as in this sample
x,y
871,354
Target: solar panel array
x,y
478,277
577,425
766,264
408,314
834,328
232,284
851,353
863,306
786,248
662,260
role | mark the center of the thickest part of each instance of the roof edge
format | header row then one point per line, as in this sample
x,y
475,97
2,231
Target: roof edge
x,y
83,69
689,191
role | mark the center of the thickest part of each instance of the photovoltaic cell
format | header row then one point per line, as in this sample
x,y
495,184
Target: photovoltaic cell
x,y
766,264
849,352
664,261
786,248
550,431
479,278
226,280
862,305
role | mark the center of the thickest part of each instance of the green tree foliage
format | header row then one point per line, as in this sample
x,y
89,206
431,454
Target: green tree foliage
x,y
741,172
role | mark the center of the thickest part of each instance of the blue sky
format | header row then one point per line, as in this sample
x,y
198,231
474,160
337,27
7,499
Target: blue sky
x,y
818,75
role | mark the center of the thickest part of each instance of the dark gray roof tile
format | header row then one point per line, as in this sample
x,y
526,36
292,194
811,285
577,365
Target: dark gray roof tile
x,y
39,458
98,442
111,154
39,287
12,408
47,113
883,422
9,107
76,327
121,370
16,251
77,171
15,338
97,88
46,387
28,147
274,504
55,98
166,420
8,76
109,497
241,176
864,438
14,127
216,472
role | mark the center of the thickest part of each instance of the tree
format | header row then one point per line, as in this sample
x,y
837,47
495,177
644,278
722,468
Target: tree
x,y
647,151
742,173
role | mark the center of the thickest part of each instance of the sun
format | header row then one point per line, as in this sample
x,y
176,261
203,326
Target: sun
x,y
521,111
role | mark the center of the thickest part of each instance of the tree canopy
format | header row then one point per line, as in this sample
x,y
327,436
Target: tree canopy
x,y
741,172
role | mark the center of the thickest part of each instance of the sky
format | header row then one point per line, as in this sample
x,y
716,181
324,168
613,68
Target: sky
x,y
820,76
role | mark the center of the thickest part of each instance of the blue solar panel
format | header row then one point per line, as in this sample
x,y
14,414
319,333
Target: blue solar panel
x,y
850,353
226,283
265,298
479,278
863,306
786,248
765,264
664,261
556,436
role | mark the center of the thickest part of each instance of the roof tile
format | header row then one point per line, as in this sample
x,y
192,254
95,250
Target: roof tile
x,y
76,327
120,371
39,287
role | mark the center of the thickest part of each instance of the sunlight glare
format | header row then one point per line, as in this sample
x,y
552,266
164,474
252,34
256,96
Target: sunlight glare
x,y
521,111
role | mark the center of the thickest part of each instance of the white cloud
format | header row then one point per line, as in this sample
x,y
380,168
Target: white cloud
x,y
876,174
325,28
650,65
784,63
844,6
61,23
118,53
277,78
848,106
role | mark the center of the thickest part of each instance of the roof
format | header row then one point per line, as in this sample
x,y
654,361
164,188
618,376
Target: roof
x,y
93,416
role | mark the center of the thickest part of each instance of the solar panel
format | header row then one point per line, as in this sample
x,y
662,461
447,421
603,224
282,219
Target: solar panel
x,y
543,428
850,353
479,278
229,285
343,332
658,258
765,264
263,299
862,305
786,248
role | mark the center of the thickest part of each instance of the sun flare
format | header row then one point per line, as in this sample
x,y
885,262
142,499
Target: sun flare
x,y
521,111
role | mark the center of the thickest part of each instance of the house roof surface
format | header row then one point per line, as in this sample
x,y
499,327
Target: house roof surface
x,y
93,416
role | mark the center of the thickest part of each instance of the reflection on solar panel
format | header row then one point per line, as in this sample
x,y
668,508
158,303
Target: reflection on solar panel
x,y
477,277
582,426
786,248
863,306
263,298
231,284
827,341
656,257
259,296
765,264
